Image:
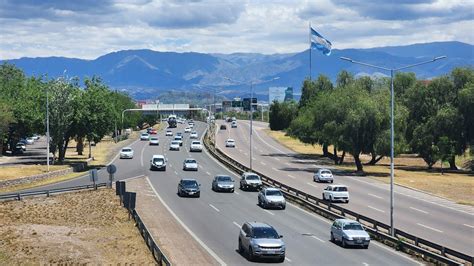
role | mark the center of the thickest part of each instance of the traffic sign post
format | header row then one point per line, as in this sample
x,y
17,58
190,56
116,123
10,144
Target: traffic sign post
x,y
111,169
94,177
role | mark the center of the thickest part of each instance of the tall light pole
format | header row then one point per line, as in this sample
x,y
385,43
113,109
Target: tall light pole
x,y
251,113
47,128
392,133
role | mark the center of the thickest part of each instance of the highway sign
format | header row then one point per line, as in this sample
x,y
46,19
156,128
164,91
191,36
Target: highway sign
x,y
111,169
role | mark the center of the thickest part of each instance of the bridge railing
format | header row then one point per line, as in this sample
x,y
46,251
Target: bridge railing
x,y
403,241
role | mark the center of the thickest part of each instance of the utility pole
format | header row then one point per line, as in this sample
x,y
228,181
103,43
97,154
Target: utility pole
x,y
47,128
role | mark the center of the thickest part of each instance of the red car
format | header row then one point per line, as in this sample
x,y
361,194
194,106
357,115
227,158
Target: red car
x,y
153,131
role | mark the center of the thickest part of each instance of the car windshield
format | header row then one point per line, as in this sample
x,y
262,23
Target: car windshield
x,y
158,160
274,193
252,177
340,189
353,226
189,183
145,134
126,150
265,232
153,138
224,178
175,143
190,161
177,138
325,172
196,142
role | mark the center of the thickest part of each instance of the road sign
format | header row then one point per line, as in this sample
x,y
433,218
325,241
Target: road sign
x,y
93,175
111,169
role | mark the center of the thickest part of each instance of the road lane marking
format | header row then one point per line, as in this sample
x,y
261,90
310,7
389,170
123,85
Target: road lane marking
x,y
216,209
315,237
141,156
236,224
253,158
287,259
236,192
428,227
469,225
263,163
208,173
312,185
212,253
200,166
373,208
176,172
274,169
269,212
418,210
383,246
375,196
365,264
290,176
246,154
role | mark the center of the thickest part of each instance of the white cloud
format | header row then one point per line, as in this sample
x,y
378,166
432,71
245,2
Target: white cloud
x,y
214,26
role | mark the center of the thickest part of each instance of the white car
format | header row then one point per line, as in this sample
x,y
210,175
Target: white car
x,y
191,125
187,130
144,136
169,133
126,153
336,193
154,141
30,141
230,143
271,197
158,162
193,135
196,146
233,124
323,175
174,146
179,139
190,164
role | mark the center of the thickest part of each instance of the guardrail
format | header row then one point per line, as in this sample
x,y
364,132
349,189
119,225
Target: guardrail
x,y
403,241
19,196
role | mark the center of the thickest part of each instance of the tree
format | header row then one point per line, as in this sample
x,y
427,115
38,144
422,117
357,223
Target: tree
x,y
6,118
307,92
281,114
344,79
402,82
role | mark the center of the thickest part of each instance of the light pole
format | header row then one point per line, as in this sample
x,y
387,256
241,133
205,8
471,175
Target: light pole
x,y
47,128
251,113
392,133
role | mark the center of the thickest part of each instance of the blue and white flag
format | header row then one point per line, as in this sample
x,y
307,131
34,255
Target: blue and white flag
x,y
320,43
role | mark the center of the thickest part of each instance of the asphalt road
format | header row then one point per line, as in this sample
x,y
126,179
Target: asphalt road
x,y
426,216
215,218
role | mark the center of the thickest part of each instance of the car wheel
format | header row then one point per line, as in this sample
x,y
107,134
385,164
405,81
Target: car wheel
x,y
283,207
332,238
241,248
280,260
347,201
250,255
343,243
366,246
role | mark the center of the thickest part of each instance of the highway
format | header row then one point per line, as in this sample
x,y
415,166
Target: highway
x,y
215,218
426,216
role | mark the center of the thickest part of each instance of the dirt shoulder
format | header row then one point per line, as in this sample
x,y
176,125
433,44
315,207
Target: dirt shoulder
x,y
87,227
410,171
172,238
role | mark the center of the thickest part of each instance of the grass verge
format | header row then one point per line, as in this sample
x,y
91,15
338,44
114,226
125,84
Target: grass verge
x,y
410,171
11,172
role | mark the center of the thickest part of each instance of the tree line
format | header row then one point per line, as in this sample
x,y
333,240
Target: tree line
x,y
80,112
433,118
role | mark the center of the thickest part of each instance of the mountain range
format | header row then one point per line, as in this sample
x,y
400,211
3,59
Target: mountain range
x,y
145,74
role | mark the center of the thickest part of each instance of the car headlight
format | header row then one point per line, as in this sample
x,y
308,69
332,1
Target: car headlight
x,y
367,238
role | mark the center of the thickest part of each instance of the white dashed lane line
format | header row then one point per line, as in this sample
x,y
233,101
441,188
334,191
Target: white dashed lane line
x,y
317,238
274,169
290,176
418,210
271,213
375,196
236,224
216,209
287,259
313,185
431,228
263,163
208,173
373,208
472,226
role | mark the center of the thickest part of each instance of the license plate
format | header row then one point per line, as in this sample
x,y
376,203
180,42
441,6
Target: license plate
x,y
359,241
190,193
271,252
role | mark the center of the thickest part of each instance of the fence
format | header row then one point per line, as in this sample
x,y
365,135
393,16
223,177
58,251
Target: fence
x,y
404,241
20,195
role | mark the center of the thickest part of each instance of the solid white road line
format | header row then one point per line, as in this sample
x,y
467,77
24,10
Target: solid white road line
x,y
236,192
418,210
313,185
290,176
315,237
373,208
208,173
269,212
236,224
431,228
468,225
141,156
216,209
375,196
214,255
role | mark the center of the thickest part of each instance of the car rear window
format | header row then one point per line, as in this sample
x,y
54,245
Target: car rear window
x,y
325,172
126,150
340,189
196,142
190,161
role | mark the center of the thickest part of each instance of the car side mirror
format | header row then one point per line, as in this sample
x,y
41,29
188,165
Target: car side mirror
x,y
281,236
247,235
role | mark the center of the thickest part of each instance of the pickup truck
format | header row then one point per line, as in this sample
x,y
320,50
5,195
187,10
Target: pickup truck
x,y
336,193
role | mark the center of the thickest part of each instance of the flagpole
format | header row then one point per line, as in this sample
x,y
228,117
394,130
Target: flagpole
x,y
310,50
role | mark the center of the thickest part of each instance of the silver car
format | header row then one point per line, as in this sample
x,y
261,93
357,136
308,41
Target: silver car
x,y
223,183
190,164
349,232
260,240
271,198
323,175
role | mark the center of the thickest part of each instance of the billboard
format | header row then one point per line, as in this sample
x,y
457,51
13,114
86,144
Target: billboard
x,y
280,94
246,104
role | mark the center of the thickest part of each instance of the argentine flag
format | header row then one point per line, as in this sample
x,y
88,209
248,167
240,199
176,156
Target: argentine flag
x,y
320,43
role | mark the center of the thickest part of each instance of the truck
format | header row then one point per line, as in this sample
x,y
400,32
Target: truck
x,y
172,122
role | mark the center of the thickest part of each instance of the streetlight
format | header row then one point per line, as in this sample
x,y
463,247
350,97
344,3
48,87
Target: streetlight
x,y
251,112
392,70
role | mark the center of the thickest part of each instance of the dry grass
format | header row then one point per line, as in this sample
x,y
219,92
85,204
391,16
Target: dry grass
x,y
11,172
43,182
410,171
67,229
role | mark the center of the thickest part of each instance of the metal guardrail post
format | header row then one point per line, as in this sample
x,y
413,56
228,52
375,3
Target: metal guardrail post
x,y
19,196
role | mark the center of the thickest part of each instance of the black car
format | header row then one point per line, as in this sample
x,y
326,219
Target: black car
x,y
189,187
223,127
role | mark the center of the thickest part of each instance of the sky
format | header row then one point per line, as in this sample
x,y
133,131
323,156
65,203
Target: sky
x,y
88,29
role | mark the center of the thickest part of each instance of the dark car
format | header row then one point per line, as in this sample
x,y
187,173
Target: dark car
x,y
189,187
223,127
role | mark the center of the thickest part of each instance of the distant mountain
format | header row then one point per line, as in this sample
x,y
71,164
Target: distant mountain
x,y
145,73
